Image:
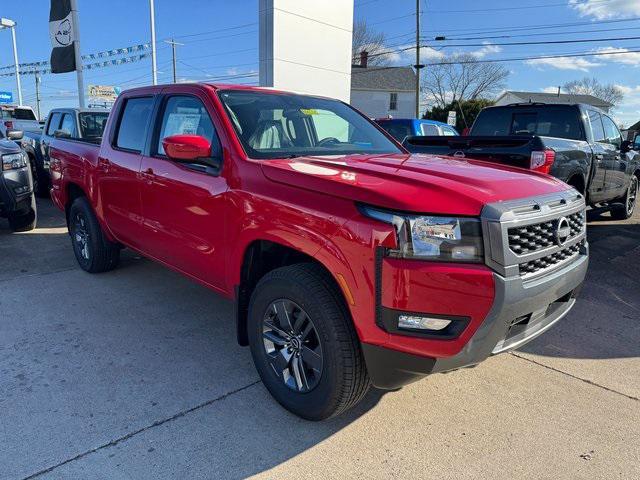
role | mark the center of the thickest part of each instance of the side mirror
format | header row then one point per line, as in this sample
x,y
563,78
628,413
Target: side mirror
x,y
193,149
15,134
62,134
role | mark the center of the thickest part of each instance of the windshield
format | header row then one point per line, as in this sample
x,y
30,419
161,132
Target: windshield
x,y
277,125
92,125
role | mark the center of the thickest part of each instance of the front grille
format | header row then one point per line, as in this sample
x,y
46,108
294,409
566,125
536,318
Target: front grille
x,y
538,236
542,263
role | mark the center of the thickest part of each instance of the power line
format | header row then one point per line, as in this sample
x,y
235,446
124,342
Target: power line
x,y
523,7
545,42
539,34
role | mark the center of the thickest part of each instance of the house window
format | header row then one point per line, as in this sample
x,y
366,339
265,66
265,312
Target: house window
x,y
393,101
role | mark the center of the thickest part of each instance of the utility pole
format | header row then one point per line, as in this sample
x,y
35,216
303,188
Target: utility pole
x,y
6,23
418,66
173,53
76,49
154,66
38,79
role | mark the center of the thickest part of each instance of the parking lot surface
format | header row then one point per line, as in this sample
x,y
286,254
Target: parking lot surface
x,y
136,374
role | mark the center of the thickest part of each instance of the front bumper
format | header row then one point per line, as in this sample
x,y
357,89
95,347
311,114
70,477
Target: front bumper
x,y
521,311
16,188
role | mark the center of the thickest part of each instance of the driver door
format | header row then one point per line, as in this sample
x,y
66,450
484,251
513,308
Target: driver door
x,y
182,207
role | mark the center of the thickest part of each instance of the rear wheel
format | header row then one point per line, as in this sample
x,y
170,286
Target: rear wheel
x,y
625,211
303,343
93,251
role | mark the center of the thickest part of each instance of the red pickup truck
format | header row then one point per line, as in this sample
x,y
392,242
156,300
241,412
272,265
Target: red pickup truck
x,y
351,263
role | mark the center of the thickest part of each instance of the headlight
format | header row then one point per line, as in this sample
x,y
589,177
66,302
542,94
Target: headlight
x,y
12,161
428,237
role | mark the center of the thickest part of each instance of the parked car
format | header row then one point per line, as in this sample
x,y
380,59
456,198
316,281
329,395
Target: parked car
x,y
400,128
315,223
578,144
18,118
17,202
81,125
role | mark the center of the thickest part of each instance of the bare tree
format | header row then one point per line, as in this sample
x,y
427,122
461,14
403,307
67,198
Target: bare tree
x,y
462,77
592,86
371,41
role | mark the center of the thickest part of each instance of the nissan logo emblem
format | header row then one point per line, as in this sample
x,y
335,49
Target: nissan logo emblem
x,y
563,230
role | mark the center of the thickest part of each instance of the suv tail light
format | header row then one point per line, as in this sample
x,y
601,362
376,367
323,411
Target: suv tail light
x,y
542,161
9,125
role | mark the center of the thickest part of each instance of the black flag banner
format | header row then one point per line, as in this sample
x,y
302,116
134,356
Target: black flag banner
x,y
62,33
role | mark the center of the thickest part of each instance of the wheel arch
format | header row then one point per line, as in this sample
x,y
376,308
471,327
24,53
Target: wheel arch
x,y
259,257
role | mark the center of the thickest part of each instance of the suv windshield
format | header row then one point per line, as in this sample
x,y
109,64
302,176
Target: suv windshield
x,y
92,125
545,120
277,125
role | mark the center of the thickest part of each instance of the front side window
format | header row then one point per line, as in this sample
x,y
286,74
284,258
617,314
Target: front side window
x,y
54,123
280,125
449,132
393,101
133,123
611,130
69,125
186,115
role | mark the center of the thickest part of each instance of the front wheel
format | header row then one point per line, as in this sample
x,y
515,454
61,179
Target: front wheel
x,y
625,211
93,251
303,343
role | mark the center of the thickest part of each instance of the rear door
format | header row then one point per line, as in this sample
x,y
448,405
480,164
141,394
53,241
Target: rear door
x,y
183,207
119,169
600,162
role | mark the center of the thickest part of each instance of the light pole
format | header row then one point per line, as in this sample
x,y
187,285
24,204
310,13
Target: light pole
x,y
154,66
6,23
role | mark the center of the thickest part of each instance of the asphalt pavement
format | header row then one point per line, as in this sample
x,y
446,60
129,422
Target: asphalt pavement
x,y
135,374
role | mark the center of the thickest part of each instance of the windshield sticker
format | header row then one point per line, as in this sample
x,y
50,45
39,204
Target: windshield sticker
x,y
309,111
182,123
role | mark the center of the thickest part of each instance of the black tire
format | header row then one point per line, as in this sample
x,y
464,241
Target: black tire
x,y
343,380
93,251
625,210
40,184
24,222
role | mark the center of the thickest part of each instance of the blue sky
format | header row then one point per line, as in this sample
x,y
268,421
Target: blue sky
x,y
221,40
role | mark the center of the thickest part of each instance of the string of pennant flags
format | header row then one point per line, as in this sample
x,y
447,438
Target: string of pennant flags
x,y
43,67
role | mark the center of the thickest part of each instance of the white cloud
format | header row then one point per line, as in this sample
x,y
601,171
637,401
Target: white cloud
x,y
407,53
486,50
564,63
628,112
604,9
620,55
550,90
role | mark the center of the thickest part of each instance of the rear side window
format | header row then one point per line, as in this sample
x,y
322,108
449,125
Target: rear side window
x,y
547,121
133,123
429,129
597,129
54,123
449,132
69,124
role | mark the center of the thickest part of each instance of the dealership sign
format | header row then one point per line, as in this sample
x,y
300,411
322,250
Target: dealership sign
x,y
6,97
108,93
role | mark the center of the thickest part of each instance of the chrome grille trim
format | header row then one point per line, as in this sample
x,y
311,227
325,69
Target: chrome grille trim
x,y
536,215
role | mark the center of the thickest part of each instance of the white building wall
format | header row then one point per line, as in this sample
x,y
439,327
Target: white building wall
x,y
375,103
305,46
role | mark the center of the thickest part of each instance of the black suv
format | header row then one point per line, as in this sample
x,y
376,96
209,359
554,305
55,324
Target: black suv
x,y
17,201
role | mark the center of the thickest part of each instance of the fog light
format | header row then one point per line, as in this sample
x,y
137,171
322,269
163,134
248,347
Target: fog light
x,y
422,323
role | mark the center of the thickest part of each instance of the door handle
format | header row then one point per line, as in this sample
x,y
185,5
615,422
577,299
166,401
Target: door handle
x,y
103,164
599,156
147,175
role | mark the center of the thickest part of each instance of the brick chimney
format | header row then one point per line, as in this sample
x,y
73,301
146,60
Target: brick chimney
x,y
364,57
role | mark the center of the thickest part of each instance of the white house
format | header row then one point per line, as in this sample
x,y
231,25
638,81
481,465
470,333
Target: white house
x,y
510,97
383,91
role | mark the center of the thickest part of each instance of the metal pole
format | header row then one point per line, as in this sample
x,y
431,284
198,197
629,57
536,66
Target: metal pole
x,y
173,53
76,50
15,61
418,66
38,95
154,66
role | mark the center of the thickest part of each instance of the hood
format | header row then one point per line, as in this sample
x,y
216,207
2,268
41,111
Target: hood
x,y
8,146
413,183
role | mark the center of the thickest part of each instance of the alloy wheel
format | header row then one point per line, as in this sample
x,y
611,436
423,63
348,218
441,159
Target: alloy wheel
x,y
81,236
292,345
632,195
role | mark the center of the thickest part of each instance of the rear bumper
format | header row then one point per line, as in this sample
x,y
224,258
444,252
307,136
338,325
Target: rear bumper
x,y
521,311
